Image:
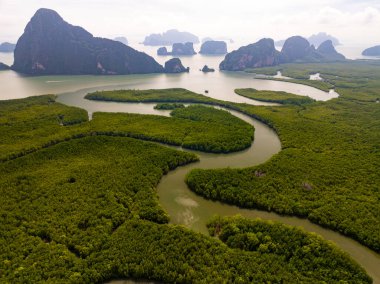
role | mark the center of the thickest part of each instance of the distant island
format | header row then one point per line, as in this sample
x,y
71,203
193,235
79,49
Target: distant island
x,y
206,39
178,49
372,51
315,39
319,38
51,46
225,39
213,47
121,39
169,38
263,53
7,47
207,69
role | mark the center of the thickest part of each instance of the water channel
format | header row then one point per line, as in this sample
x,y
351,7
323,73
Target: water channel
x,y
184,206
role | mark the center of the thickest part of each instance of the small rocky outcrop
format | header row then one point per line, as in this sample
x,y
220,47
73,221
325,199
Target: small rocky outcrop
x,y
170,37
7,47
183,49
3,66
51,46
327,50
213,47
162,51
372,51
174,65
206,69
259,54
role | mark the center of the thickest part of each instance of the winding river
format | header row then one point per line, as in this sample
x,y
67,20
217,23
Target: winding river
x,y
187,208
183,206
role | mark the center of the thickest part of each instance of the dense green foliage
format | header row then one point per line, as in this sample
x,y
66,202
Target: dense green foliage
x,y
274,97
301,74
333,177
35,122
163,95
74,213
354,76
297,73
39,122
169,106
306,253
322,85
233,133
195,127
85,210
328,170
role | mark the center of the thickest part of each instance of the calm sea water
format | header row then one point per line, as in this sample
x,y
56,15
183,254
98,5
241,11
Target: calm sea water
x,y
219,84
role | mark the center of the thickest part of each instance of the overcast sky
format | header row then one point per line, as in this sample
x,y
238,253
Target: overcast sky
x,y
352,21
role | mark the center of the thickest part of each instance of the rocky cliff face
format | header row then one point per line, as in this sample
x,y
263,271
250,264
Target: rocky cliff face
x,y
49,45
213,47
183,49
295,48
178,49
162,51
263,53
298,49
174,65
259,54
327,50
372,51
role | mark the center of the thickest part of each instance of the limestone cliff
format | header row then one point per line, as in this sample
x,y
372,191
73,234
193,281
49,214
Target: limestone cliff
x,y
49,45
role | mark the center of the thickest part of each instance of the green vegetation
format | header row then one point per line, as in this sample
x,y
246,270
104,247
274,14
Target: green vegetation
x,y
39,122
85,210
168,106
233,133
138,96
36,122
354,75
274,97
195,127
328,170
322,85
301,73
304,253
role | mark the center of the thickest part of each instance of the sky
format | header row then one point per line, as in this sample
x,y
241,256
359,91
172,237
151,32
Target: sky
x,y
246,21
